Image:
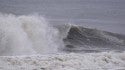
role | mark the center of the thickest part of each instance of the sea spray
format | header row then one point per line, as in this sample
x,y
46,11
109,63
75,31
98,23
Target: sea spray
x,y
24,35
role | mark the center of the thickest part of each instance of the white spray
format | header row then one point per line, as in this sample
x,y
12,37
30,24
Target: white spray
x,y
24,35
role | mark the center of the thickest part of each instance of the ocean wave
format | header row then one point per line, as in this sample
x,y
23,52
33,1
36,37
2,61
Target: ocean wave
x,y
26,35
32,34
80,39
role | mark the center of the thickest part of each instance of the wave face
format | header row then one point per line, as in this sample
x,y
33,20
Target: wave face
x,y
24,35
80,39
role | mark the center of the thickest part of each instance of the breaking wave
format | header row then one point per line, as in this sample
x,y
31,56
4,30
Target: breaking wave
x,y
81,39
32,34
24,35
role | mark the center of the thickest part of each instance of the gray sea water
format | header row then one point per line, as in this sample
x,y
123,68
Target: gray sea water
x,y
106,15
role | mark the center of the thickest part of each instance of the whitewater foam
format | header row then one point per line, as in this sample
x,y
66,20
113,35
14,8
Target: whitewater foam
x,y
73,61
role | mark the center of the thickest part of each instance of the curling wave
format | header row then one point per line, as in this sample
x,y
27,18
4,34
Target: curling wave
x,y
81,39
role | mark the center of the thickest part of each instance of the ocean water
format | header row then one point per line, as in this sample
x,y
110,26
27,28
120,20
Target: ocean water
x,y
62,35
29,42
